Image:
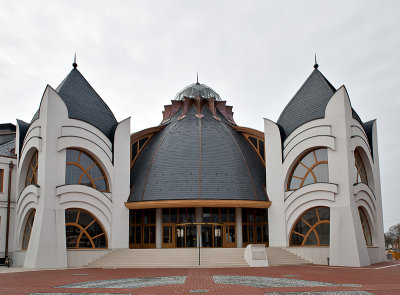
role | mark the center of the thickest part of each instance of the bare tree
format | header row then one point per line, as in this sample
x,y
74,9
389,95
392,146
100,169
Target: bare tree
x,y
393,236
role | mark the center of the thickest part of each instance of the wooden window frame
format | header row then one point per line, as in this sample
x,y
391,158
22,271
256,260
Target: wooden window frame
x,y
360,166
365,224
256,148
29,222
85,170
311,228
1,179
138,148
142,225
254,224
33,179
309,169
84,229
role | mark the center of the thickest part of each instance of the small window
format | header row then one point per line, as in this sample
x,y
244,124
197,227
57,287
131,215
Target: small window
x,y
360,169
137,146
1,179
365,226
258,145
312,228
31,175
28,230
83,230
85,170
311,168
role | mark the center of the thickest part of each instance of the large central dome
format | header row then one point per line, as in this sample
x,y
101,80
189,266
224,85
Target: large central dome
x,y
197,89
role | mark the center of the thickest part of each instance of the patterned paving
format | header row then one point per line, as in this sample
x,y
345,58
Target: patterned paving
x,y
129,283
322,293
267,282
76,294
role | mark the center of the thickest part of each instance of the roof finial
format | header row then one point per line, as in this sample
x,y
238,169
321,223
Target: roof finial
x,y
75,64
315,65
197,80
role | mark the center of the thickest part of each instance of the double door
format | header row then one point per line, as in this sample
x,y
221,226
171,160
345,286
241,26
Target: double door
x,y
207,235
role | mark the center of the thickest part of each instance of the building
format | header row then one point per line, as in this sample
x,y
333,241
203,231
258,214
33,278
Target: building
x,y
80,181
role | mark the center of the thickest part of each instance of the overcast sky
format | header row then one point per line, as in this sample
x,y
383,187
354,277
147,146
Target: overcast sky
x,y
255,54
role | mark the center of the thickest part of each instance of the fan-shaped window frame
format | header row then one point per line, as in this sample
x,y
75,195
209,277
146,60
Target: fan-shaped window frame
x,y
85,170
360,168
138,145
365,226
257,144
312,228
83,230
309,169
32,170
28,229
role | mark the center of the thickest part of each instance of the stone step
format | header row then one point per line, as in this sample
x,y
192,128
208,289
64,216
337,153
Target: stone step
x,y
168,258
280,256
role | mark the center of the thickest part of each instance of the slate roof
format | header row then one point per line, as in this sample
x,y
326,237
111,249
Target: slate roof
x,y
5,148
196,158
83,103
308,103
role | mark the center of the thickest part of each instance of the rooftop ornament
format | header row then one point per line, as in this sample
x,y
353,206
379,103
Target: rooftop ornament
x,y
197,89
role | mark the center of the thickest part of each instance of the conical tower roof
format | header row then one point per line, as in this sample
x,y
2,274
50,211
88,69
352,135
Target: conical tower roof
x,y
308,103
83,103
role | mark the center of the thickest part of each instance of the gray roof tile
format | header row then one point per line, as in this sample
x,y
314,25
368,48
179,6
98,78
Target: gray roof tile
x,y
168,168
83,103
308,103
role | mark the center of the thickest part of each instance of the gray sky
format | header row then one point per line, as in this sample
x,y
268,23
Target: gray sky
x,y
255,54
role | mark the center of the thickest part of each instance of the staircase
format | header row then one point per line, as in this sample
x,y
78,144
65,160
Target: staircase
x,y
172,258
280,256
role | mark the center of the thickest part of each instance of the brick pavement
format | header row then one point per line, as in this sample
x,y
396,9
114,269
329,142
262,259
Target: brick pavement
x,y
378,279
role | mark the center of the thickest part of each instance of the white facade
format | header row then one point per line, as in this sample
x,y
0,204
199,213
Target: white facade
x,y
341,134
53,132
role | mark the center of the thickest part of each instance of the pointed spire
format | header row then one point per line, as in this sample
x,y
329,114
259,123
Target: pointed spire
x,y
197,80
315,64
75,64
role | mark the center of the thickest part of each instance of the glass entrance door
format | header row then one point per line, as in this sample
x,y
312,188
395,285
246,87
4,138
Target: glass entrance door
x,y
188,234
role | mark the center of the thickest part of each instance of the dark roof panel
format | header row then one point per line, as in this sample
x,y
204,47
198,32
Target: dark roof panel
x,y
83,103
196,158
308,103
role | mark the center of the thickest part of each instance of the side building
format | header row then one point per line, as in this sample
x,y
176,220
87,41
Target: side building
x,y
82,185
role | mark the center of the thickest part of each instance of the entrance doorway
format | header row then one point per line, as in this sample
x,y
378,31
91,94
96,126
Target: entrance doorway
x,y
205,235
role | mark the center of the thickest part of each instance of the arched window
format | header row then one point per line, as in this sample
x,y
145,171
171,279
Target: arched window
x,y
360,168
83,230
258,145
31,175
365,227
28,230
311,168
137,146
84,169
312,228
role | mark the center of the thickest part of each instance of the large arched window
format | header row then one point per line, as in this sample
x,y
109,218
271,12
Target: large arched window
x,y
312,228
84,169
360,168
28,230
365,226
83,230
311,168
31,175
